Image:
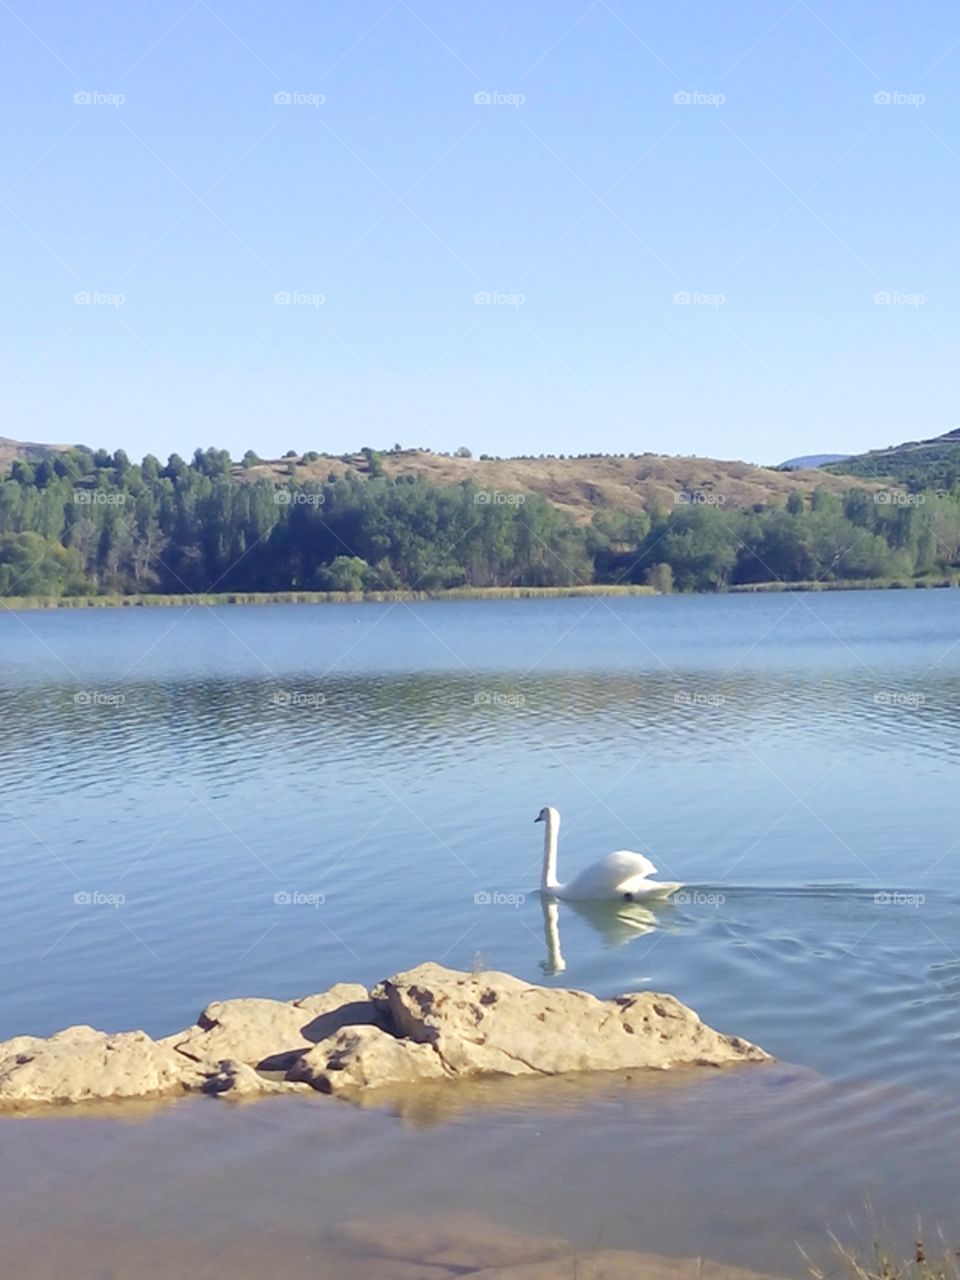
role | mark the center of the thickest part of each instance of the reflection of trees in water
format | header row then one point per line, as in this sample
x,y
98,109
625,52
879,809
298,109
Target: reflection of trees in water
x,y
384,719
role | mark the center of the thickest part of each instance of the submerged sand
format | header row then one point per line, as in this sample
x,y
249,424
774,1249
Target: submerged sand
x,y
427,1247
732,1167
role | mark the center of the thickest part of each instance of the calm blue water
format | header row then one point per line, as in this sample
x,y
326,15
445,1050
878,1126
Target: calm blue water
x,y
788,757
392,759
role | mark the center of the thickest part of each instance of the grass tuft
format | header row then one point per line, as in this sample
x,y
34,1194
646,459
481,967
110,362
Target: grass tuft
x,y
874,1259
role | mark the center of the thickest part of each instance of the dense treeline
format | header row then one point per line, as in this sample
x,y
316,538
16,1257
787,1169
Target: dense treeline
x,y
931,464
88,523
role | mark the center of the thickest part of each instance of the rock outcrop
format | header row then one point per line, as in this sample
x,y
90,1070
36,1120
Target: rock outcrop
x,y
429,1023
84,1065
493,1024
271,1034
243,1081
365,1058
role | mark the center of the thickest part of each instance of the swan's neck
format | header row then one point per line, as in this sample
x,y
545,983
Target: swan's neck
x,y
548,879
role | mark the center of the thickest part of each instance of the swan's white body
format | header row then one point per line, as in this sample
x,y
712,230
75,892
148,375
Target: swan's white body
x,y
623,876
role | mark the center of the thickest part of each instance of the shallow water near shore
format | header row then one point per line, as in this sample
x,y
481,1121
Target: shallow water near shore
x,y
264,801
734,1166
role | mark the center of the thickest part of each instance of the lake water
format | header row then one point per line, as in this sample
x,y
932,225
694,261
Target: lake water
x,y
202,803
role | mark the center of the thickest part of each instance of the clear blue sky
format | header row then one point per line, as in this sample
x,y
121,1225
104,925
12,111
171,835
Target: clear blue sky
x,y
584,208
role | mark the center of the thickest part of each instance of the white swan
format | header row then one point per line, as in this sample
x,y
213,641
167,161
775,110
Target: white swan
x,y
619,877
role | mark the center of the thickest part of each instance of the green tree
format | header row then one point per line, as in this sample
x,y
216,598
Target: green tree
x,y
700,544
374,461
660,577
30,565
344,573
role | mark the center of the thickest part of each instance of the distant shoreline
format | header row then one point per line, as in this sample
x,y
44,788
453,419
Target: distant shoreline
x,y
846,584
317,597
596,590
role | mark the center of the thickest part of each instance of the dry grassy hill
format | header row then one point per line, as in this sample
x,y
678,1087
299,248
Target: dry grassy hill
x,y
578,486
12,450
581,486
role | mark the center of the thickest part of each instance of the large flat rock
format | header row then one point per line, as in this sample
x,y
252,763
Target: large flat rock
x,y
428,1024
271,1033
492,1023
84,1065
364,1058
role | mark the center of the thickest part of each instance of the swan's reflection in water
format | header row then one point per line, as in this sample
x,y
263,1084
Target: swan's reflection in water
x,y
617,924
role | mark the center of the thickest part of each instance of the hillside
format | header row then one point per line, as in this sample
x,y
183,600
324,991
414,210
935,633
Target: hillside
x,y
12,450
578,486
934,462
84,523
581,486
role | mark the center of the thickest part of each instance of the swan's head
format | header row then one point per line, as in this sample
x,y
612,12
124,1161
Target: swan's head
x,y
548,814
